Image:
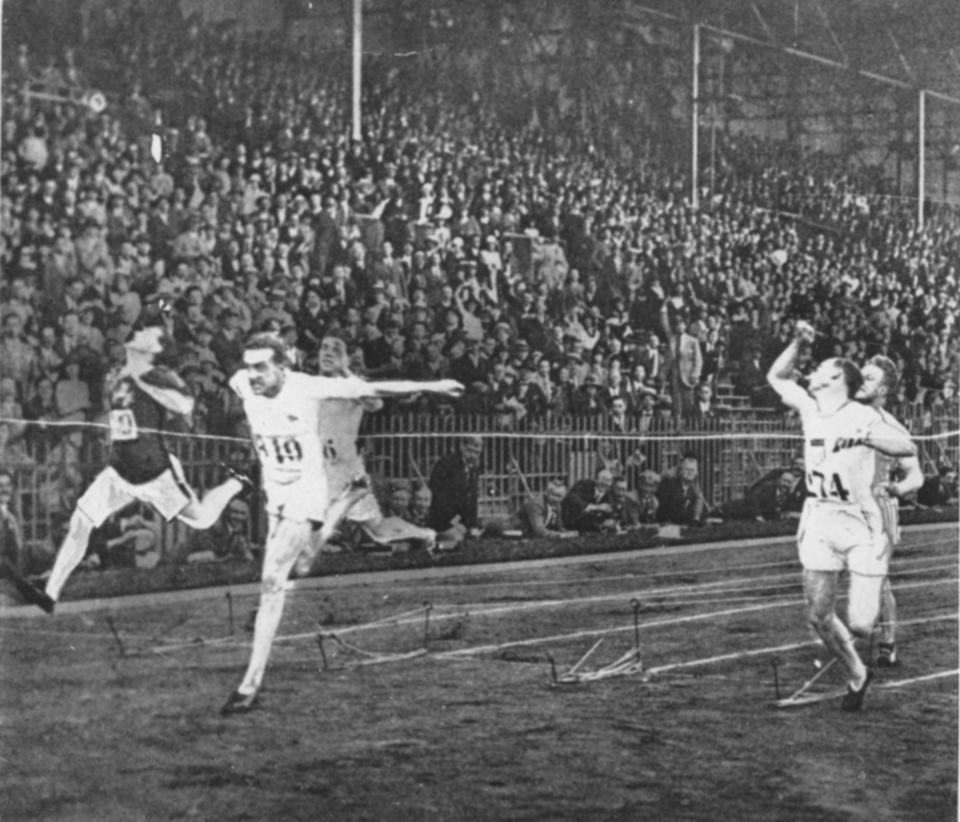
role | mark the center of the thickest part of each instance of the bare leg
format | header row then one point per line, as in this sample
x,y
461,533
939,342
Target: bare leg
x,y
888,613
820,592
202,514
71,553
385,531
863,605
285,542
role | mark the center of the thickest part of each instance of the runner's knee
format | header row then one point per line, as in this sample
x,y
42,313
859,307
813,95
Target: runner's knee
x,y
861,620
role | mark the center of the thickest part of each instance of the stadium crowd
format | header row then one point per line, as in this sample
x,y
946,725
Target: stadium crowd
x,y
521,262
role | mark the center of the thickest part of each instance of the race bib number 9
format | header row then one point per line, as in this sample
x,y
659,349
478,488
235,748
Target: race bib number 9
x,y
123,425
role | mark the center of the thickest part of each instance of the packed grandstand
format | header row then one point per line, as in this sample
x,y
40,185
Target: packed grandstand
x,y
565,280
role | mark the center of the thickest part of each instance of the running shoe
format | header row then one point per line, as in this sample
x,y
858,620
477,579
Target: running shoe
x,y
853,700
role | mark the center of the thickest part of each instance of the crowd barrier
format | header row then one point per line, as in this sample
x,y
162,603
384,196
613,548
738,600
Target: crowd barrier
x,y
519,458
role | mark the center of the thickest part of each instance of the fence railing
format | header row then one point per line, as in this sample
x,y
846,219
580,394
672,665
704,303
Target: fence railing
x,y
519,458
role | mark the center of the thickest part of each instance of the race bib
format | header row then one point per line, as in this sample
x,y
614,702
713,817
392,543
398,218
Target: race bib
x,y
284,451
123,425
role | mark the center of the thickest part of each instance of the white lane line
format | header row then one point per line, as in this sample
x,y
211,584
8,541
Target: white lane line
x,y
899,683
696,663
482,649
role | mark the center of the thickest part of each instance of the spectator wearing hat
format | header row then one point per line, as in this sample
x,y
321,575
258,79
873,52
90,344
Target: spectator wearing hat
x,y
529,394
470,368
587,401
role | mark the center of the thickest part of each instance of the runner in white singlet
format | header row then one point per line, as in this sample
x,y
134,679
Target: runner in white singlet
x,y
349,488
285,412
841,522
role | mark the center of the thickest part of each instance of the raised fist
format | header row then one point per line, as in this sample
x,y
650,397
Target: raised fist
x,y
804,331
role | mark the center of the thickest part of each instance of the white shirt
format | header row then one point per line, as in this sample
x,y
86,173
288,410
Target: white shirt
x,y
840,468
287,429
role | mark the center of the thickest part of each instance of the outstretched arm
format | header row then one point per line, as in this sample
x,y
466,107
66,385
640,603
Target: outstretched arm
x,y
354,388
891,439
780,375
402,388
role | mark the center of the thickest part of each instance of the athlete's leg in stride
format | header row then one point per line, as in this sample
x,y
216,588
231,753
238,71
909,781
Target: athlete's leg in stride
x,y
863,603
201,514
71,553
286,540
887,644
820,593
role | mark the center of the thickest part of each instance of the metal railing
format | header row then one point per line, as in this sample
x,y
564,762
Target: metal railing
x,y
519,457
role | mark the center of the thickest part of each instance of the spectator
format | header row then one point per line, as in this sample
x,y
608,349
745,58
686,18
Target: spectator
x,y
681,499
647,484
586,400
685,363
626,510
778,495
587,507
541,517
418,512
399,501
12,548
940,489
454,484
227,540
703,407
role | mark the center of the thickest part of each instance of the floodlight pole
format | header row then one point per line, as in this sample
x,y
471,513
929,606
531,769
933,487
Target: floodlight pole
x,y
921,155
695,120
356,68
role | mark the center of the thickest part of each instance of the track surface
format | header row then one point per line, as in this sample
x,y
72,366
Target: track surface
x,y
102,726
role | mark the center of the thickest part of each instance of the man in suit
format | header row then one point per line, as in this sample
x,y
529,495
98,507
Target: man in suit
x,y
681,499
541,517
686,363
454,483
626,509
586,507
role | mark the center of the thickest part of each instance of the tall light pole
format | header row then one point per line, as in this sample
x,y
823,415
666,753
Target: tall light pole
x,y
357,64
921,155
695,120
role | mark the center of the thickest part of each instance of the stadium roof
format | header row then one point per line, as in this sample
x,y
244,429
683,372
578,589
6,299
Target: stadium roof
x,y
914,41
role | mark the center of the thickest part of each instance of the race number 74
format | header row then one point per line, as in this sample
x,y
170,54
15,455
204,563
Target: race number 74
x,y
824,487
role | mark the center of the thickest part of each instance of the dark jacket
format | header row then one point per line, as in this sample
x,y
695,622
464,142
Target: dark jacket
x,y
678,504
455,492
573,507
